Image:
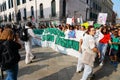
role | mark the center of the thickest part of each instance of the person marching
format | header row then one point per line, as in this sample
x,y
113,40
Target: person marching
x,y
28,44
89,51
114,48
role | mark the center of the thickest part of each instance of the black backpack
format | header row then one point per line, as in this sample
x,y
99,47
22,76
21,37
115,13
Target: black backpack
x,y
23,34
8,56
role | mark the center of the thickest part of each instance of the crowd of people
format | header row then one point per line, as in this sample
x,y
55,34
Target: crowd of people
x,y
101,41
93,42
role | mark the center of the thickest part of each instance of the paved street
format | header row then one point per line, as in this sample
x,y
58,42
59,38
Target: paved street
x,y
50,65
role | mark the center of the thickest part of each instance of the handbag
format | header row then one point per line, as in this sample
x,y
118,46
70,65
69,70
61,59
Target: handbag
x,y
88,57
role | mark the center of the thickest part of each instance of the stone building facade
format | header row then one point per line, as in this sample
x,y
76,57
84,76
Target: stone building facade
x,y
52,11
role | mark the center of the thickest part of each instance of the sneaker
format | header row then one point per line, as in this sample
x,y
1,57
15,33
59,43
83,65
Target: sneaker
x,y
33,57
29,62
101,64
93,77
78,71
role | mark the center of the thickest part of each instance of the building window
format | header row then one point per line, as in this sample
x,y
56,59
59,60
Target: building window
x,y
12,3
64,8
32,11
3,6
25,15
5,18
23,1
53,8
19,16
9,4
87,1
18,2
41,11
0,8
10,17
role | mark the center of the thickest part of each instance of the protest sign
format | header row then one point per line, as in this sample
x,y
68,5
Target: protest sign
x,y
102,17
69,21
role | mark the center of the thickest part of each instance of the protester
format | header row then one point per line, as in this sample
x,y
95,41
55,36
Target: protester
x,y
114,48
14,45
71,33
66,31
89,51
118,54
80,35
103,43
98,36
28,44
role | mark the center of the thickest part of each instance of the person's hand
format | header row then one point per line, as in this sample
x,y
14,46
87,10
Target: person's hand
x,y
98,54
38,38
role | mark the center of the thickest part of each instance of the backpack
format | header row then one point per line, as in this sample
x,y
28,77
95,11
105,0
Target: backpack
x,y
23,34
8,55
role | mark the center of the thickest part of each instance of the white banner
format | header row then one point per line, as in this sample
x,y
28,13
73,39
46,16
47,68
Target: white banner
x,y
102,17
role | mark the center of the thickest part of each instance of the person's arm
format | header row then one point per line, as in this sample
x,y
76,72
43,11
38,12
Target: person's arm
x,y
30,31
80,43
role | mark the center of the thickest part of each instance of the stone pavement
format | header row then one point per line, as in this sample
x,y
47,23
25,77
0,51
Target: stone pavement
x,y
50,65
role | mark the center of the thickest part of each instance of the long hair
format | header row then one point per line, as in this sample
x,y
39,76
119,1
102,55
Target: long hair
x,y
7,34
103,28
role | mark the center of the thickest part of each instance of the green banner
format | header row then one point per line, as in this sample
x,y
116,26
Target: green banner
x,y
38,31
50,33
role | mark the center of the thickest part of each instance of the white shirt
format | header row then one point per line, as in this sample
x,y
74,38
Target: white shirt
x,y
66,34
98,36
88,42
30,32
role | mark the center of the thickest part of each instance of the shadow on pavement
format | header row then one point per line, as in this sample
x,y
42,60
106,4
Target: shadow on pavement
x,y
30,69
64,74
45,56
106,70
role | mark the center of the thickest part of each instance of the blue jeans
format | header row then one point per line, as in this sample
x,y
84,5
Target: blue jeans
x,y
102,48
12,73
